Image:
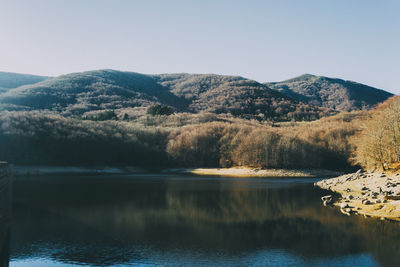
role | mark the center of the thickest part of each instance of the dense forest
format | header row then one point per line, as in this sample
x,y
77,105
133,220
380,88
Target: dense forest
x,y
78,93
186,140
331,92
188,120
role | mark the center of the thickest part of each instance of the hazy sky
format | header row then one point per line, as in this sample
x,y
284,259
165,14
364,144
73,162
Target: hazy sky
x,y
262,40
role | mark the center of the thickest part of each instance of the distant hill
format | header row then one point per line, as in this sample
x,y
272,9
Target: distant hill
x,y
76,93
330,92
10,80
236,95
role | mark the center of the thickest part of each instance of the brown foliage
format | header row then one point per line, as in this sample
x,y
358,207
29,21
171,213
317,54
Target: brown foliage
x,y
181,139
378,141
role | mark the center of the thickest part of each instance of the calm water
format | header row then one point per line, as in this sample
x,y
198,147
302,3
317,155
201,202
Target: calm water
x,y
174,221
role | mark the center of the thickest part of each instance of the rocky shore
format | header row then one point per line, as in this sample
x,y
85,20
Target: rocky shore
x,y
369,194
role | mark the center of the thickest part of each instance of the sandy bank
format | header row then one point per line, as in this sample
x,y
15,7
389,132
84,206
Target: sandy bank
x,y
365,193
249,172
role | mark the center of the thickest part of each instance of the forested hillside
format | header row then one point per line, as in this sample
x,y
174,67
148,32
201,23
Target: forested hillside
x,y
307,97
238,96
110,117
330,92
77,93
10,80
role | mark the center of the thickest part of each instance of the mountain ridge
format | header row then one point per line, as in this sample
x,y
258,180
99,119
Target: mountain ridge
x,y
80,92
339,94
9,80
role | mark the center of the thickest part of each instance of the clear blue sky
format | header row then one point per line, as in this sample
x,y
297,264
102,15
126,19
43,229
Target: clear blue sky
x,y
261,40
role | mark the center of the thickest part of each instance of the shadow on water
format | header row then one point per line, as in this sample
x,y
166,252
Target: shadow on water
x,y
120,220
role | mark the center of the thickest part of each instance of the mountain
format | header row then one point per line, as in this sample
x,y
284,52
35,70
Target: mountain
x,y
330,92
10,80
236,95
76,93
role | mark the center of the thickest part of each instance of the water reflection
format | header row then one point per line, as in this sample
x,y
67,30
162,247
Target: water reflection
x,y
183,220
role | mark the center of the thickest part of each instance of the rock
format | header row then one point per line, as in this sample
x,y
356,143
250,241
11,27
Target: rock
x,y
387,197
348,210
345,212
366,202
326,197
344,205
360,171
364,188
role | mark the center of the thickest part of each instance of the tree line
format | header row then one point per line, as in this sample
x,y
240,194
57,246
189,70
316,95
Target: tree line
x,y
177,140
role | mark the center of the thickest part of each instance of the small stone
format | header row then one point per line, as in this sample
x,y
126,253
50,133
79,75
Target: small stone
x,y
366,202
326,197
344,205
348,210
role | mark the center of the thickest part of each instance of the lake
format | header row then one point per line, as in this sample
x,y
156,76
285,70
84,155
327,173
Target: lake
x,y
167,220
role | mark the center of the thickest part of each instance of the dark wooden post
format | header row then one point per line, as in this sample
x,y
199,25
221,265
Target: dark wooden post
x,y
5,213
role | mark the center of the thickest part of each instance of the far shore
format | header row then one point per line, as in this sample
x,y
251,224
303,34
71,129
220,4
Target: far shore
x,y
253,172
33,170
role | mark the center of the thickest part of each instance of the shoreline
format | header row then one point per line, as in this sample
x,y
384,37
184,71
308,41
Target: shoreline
x,y
253,172
367,194
239,172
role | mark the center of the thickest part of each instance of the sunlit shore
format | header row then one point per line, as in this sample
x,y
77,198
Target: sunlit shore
x,y
20,170
253,172
366,193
